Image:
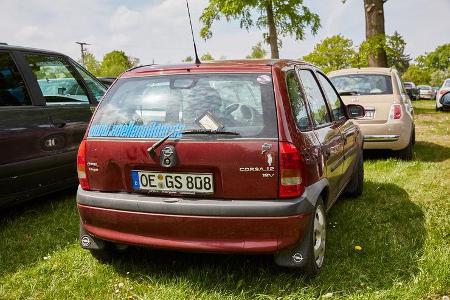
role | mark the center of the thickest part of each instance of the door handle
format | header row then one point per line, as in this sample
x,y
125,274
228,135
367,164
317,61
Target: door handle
x,y
59,123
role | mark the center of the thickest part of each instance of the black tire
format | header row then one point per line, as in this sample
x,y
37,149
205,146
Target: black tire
x,y
355,186
314,263
406,154
413,138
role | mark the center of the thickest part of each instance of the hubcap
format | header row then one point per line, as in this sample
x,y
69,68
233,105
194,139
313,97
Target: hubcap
x,y
319,235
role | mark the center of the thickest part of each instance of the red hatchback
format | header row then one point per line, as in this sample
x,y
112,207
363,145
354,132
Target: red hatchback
x,y
231,157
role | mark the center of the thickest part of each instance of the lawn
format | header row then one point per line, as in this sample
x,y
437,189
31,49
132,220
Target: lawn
x,y
401,222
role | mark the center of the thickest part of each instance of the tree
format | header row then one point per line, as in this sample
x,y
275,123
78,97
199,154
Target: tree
x,y
206,57
375,32
417,75
116,62
333,53
439,59
394,47
280,18
188,59
438,77
91,63
258,51
395,51
374,12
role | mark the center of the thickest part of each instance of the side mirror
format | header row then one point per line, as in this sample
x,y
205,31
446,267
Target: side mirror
x,y
355,111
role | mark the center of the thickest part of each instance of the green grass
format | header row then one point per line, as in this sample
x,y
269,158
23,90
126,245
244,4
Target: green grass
x,y
401,222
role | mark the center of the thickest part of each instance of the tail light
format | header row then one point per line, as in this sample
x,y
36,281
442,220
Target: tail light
x,y
81,166
396,112
291,167
442,92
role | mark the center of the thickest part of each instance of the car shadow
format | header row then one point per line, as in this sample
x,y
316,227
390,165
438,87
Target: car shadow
x,y
430,152
383,222
34,229
423,151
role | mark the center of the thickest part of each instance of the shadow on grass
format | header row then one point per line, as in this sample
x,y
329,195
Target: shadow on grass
x,y
431,152
423,151
384,222
36,228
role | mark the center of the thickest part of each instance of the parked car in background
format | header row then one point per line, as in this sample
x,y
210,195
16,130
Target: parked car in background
x,y
231,156
389,122
46,100
412,90
444,101
443,90
426,92
107,81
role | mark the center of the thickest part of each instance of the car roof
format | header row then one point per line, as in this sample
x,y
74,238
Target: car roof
x,y
244,65
27,49
383,71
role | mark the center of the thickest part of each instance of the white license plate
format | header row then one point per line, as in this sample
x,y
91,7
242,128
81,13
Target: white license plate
x,y
370,114
184,183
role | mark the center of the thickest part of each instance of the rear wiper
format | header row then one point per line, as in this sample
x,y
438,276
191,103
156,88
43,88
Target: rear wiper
x,y
349,93
152,149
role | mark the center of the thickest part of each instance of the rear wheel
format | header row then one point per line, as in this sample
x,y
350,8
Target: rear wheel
x,y
406,153
317,239
355,186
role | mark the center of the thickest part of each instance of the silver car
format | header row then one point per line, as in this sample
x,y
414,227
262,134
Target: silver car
x,y
444,89
426,92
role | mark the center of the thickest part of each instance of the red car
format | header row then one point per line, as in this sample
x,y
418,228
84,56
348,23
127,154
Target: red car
x,y
230,157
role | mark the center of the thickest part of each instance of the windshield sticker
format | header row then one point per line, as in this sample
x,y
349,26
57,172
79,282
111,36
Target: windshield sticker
x,y
263,79
208,121
154,130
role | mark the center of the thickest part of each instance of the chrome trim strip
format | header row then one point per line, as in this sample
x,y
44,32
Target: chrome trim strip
x,y
381,138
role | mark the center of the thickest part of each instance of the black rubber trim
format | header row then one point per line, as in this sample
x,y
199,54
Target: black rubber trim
x,y
196,207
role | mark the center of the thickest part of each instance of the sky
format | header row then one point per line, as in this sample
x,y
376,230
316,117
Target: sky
x,y
158,30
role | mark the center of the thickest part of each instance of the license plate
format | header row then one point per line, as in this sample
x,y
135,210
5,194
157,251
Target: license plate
x,y
183,183
370,114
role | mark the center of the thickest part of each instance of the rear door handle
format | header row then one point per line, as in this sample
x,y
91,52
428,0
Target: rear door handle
x,y
59,123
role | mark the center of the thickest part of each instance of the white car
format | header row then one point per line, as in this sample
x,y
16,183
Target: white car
x,y
444,89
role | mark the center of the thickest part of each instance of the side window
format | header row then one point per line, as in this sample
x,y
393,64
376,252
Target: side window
x,y
315,98
297,99
12,87
333,98
57,80
96,87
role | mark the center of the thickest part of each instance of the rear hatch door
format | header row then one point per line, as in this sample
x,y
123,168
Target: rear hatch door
x,y
223,137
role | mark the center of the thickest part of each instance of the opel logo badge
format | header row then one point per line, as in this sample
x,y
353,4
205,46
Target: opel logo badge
x,y
168,157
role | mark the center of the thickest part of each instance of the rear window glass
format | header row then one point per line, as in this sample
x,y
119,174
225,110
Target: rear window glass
x,y
152,107
363,84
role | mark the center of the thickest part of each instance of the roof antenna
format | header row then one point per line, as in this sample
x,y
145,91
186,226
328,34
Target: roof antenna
x,y
197,60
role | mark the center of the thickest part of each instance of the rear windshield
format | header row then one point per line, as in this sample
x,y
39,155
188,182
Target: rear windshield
x,y
447,83
153,107
363,84
424,87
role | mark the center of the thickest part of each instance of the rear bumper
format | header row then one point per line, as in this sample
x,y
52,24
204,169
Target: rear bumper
x,y
392,135
226,226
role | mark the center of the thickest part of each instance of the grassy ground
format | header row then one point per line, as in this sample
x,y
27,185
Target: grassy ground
x,y
401,222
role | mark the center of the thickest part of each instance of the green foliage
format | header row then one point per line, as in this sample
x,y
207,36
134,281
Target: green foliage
x,y
91,63
395,50
333,53
188,59
206,57
438,77
291,17
417,75
116,62
439,59
258,51
394,45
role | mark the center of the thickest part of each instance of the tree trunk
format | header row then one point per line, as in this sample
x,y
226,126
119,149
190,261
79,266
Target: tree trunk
x,y
272,38
374,12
